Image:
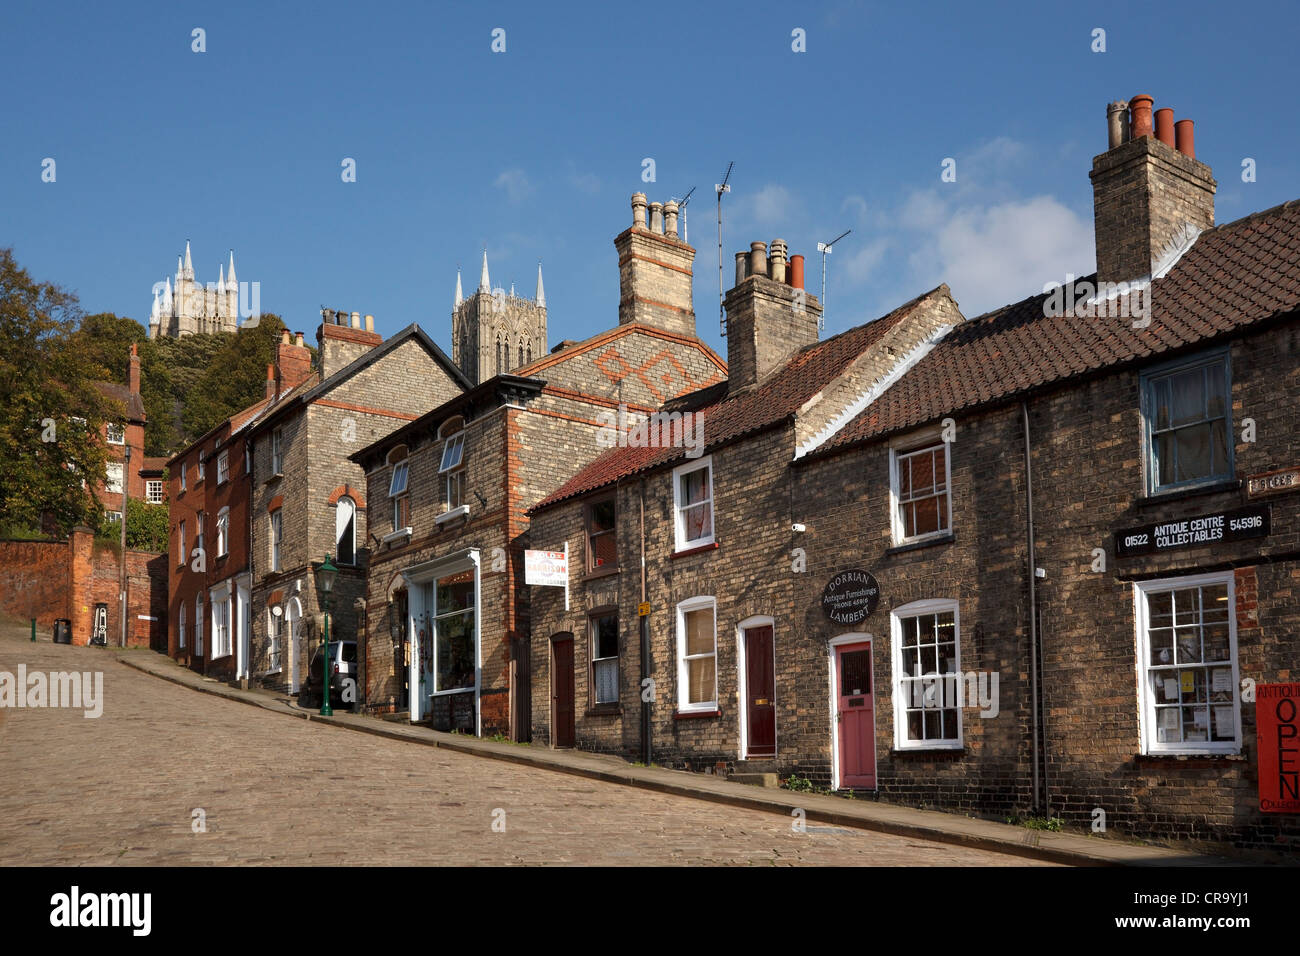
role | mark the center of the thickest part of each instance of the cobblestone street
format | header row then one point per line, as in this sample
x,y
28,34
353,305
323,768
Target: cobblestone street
x,y
124,788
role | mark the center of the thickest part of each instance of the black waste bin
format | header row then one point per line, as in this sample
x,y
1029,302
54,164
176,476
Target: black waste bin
x,y
63,631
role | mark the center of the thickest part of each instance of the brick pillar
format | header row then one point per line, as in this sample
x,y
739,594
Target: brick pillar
x,y
81,570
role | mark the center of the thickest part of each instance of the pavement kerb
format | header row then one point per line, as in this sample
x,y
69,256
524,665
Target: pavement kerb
x,y
868,815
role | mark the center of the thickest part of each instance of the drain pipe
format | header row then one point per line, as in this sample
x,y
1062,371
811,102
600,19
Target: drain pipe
x,y
1033,601
643,622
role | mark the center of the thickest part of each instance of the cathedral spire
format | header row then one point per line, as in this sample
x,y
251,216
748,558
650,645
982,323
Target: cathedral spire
x,y
541,291
221,279
460,297
167,297
484,284
153,315
230,272
189,266
180,270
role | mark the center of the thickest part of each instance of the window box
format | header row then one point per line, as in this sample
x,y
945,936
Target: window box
x,y
395,535
1187,665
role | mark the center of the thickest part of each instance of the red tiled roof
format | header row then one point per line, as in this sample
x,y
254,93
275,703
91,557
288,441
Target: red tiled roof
x,y
729,416
1233,275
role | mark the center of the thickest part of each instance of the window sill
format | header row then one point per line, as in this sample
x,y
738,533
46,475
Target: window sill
x,y
1195,491
395,535
605,710
926,751
1188,757
692,714
270,672
448,516
690,551
946,538
601,573
274,478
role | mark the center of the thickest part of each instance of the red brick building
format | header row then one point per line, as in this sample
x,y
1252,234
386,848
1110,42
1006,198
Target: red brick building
x,y
143,477
1032,563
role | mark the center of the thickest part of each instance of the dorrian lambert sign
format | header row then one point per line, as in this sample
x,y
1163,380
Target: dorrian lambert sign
x,y
850,597
1277,729
1273,482
1177,533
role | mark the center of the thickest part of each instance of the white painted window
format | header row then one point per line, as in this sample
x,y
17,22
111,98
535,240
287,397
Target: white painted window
x,y
223,467
1187,417
1187,664
198,536
180,630
697,655
220,624
276,630
275,540
693,503
114,473
112,517
398,495
921,503
451,469
182,468
223,532
927,669
116,433
202,466
277,451
345,531
180,536
153,491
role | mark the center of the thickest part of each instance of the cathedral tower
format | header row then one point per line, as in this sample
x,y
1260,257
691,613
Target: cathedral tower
x,y
190,307
494,331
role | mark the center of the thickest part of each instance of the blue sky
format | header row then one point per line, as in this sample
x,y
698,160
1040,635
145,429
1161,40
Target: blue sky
x,y
535,151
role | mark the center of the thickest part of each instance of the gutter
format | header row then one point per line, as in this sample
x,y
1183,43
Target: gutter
x,y
1033,606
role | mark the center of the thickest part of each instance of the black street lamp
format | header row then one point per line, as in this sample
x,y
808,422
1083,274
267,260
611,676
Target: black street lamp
x,y
325,575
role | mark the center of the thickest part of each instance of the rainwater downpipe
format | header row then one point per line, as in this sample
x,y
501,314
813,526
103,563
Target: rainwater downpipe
x,y
1033,603
643,622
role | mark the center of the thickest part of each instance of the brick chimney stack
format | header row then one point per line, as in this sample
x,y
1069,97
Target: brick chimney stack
x,y
292,363
1147,188
133,371
342,340
655,270
769,315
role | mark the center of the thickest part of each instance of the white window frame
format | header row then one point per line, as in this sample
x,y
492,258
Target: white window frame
x,y
275,639
1146,705
223,467
679,530
114,486
184,552
198,625
900,686
684,706
181,628
220,605
396,493
203,471
183,485
616,657
198,536
277,450
277,538
153,491
120,432
344,502
112,516
902,448
223,532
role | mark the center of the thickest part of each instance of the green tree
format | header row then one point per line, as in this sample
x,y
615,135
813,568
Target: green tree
x,y
105,340
234,378
51,414
147,526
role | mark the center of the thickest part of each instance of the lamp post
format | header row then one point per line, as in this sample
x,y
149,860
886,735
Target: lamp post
x,y
325,575
126,485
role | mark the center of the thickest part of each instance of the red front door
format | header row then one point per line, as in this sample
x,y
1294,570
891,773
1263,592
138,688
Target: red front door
x,y
855,716
760,689
562,695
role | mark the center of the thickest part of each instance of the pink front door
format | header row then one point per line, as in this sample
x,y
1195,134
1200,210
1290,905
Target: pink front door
x,y
855,716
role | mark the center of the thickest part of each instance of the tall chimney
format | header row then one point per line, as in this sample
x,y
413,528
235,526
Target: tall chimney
x,y
344,343
654,273
765,325
1165,126
270,380
1185,138
133,371
1145,192
292,362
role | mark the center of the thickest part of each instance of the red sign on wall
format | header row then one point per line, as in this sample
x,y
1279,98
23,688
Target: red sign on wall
x,y
1277,728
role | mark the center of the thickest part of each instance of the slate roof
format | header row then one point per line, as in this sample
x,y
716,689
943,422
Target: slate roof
x,y
1234,275
122,393
728,417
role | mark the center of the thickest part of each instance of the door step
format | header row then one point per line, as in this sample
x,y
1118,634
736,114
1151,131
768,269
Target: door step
x,y
401,717
755,779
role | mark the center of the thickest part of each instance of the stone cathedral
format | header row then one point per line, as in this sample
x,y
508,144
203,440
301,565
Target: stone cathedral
x,y
191,307
494,331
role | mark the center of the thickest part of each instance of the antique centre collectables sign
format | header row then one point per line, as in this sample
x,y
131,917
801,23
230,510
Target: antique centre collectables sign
x,y
1195,531
850,597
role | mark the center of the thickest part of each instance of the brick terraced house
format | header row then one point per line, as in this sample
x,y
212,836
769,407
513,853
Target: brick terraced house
x,y
308,499
1034,561
448,608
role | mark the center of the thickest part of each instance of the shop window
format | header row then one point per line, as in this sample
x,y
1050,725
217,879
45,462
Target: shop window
x,y
451,599
693,504
1187,417
603,632
602,544
697,655
1187,665
927,711
922,505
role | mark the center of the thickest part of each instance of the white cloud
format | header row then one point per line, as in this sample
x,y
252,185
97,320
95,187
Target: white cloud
x,y
773,204
859,265
516,184
856,205
588,183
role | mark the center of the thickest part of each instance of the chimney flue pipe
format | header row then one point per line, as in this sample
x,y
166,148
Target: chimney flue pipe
x,y
1184,138
1165,126
796,271
1117,123
758,258
1140,110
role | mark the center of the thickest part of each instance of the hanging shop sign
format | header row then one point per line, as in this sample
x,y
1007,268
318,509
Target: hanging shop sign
x,y
850,597
1277,730
1176,534
1273,482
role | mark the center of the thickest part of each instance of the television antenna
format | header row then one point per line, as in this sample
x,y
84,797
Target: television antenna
x,y
721,188
825,249
681,206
